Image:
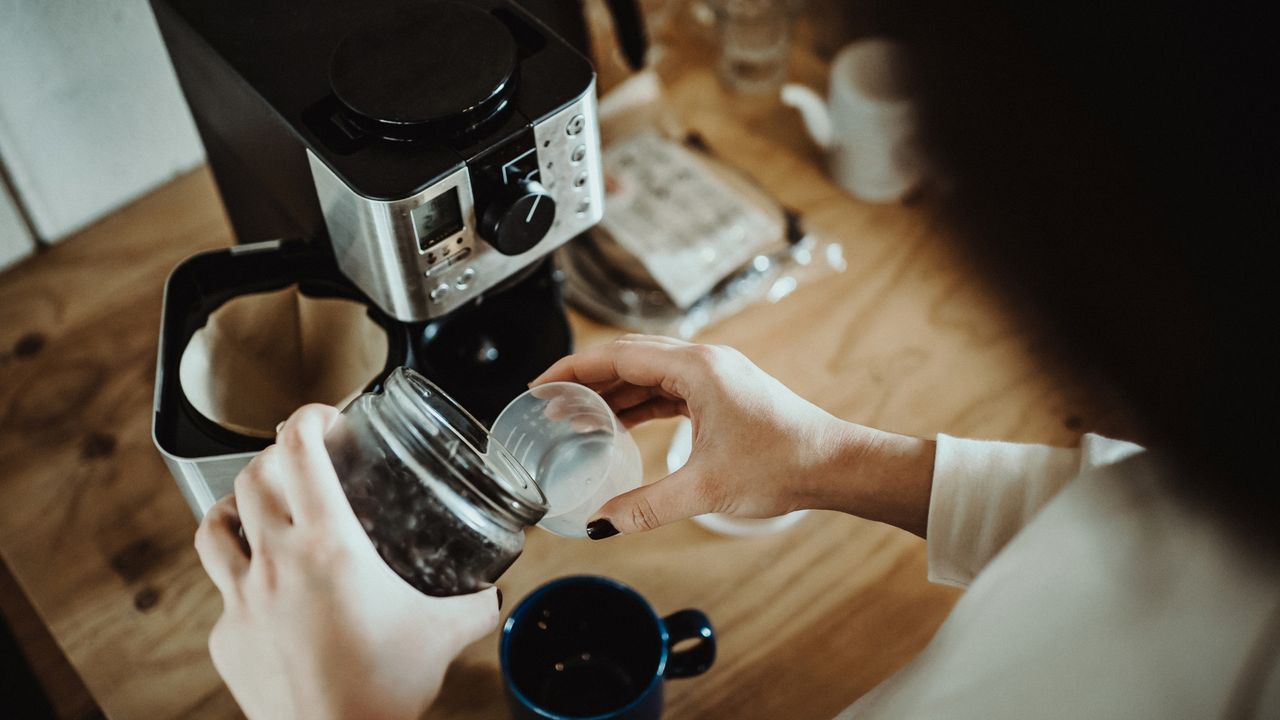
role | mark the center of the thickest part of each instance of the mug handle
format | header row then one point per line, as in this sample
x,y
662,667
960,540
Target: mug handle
x,y
689,625
813,110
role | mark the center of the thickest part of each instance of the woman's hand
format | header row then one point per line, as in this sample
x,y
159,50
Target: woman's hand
x,y
314,623
759,449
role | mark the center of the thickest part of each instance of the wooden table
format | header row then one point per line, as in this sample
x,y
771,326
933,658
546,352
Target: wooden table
x,y
909,338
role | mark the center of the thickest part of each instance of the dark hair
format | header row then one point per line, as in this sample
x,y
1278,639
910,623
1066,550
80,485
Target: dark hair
x,y
1116,165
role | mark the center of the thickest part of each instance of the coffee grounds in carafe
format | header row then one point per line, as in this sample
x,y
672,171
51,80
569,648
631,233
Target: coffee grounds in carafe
x,y
417,536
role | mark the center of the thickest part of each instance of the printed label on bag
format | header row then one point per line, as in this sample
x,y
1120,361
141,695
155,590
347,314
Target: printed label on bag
x,y
688,226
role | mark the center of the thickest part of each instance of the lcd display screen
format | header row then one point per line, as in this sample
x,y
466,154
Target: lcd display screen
x,y
437,219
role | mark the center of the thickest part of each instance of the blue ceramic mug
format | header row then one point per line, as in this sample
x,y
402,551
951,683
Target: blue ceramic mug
x,y
590,647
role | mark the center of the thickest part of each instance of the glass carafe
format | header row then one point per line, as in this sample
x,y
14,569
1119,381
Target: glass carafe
x,y
445,505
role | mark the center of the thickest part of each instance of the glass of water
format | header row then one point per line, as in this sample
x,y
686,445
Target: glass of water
x,y
755,40
575,448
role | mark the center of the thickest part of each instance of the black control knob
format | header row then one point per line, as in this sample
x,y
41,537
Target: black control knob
x,y
518,218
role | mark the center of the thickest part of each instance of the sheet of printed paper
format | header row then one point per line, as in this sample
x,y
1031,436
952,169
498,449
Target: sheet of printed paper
x,y
687,225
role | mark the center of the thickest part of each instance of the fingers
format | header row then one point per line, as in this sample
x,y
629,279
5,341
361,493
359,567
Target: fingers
x,y
654,409
471,617
218,545
664,339
259,499
308,479
675,497
637,360
628,396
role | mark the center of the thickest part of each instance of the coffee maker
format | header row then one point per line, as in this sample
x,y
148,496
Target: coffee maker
x,y
416,160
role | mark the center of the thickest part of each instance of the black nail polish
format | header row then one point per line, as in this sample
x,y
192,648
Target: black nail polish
x,y
601,529
499,597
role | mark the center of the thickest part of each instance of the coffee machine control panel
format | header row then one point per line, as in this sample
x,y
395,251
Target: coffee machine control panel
x,y
422,256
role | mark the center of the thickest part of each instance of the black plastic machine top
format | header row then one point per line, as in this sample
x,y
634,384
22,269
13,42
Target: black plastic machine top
x,y
415,71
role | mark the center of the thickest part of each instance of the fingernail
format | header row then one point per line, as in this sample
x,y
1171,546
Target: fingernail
x,y
279,427
601,529
499,597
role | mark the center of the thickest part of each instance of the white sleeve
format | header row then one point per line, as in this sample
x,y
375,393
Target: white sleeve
x,y
984,492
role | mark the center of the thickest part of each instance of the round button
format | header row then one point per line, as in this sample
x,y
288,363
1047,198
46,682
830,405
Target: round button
x,y
576,124
580,181
439,292
579,153
465,278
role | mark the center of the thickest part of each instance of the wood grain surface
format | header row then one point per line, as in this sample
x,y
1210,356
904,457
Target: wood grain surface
x,y
910,338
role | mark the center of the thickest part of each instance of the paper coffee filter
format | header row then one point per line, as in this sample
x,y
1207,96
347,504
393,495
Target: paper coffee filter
x,y
261,356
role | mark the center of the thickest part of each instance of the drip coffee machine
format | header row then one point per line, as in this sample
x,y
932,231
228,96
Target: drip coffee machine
x,y
396,173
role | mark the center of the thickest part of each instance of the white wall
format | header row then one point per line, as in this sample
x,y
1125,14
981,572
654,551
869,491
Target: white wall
x,y
90,112
15,241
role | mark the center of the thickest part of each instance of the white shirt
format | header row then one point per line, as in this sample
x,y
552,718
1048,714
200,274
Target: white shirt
x,y
1094,591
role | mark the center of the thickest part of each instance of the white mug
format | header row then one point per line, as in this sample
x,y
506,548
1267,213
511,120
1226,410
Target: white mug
x,y
869,128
